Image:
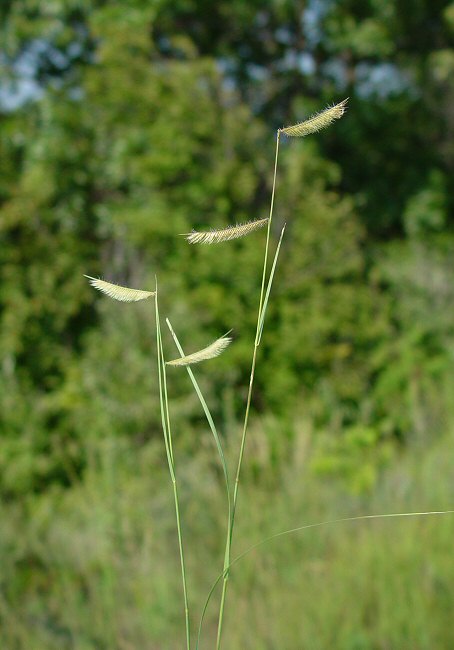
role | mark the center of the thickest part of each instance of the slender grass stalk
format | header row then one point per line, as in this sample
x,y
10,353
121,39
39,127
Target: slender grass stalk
x,y
259,329
312,125
165,418
126,294
328,522
218,445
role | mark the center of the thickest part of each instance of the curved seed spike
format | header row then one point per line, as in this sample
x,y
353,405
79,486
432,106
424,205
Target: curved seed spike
x,y
317,122
124,294
213,350
225,234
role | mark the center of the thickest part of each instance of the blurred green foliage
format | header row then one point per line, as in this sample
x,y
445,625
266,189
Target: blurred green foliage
x,y
149,119
125,124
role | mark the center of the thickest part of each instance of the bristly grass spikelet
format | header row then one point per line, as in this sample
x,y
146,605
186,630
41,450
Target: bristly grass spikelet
x,y
117,292
225,234
317,122
213,350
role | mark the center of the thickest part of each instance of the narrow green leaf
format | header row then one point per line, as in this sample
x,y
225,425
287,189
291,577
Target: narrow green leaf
x,y
268,288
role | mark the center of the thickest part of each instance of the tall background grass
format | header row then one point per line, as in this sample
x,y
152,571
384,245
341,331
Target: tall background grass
x,y
124,125
97,566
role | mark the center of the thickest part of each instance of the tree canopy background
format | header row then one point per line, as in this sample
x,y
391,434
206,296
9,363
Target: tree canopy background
x,y
125,124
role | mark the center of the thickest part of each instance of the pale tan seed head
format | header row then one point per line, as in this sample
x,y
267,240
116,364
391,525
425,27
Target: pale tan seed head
x,y
117,292
213,350
225,234
317,122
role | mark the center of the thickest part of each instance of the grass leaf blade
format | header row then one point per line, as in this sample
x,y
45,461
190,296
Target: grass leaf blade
x,y
392,515
268,289
205,408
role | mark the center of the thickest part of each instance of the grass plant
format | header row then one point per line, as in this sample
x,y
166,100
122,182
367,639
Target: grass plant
x,y
312,125
125,294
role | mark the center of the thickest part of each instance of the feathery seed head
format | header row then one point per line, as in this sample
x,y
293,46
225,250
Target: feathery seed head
x,y
117,292
225,234
317,122
213,350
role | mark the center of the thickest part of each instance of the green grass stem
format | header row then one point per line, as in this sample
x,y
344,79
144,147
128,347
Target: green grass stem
x,y
259,329
165,418
217,441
